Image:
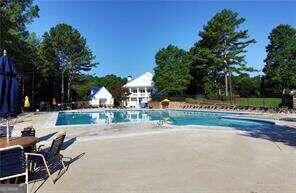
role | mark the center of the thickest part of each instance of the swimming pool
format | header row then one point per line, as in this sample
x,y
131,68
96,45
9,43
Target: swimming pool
x,y
174,117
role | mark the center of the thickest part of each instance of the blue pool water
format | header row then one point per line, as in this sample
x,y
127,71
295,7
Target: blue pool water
x,y
175,117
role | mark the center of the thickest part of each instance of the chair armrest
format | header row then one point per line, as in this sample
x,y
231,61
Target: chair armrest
x,y
38,155
40,147
42,144
34,154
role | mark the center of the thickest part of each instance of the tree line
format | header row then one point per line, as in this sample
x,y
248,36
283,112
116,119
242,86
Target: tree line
x,y
48,66
215,66
54,65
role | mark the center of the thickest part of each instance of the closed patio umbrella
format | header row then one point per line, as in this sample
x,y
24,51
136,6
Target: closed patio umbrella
x,y
165,103
9,92
27,103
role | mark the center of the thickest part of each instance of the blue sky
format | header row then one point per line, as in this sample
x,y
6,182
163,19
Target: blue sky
x,y
125,36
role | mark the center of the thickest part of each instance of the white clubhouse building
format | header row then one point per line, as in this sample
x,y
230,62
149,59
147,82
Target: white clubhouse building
x,y
140,89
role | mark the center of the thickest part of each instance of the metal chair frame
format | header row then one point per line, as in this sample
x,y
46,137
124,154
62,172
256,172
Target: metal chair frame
x,y
54,152
25,173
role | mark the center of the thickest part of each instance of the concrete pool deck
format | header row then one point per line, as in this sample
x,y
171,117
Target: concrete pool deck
x,y
144,158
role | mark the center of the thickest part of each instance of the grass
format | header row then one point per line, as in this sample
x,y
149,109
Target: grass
x,y
255,102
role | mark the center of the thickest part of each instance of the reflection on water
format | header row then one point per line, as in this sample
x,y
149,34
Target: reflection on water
x,y
172,116
74,118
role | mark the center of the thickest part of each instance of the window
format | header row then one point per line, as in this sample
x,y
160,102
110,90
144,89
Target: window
x,y
102,101
133,99
142,90
134,91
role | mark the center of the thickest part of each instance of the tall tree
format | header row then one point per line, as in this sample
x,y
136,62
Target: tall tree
x,y
246,86
172,71
206,77
31,71
14,16
40,75
69,53
280,68
221,48
82,85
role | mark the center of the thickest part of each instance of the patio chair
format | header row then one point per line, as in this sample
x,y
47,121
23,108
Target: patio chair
x,y
48,158
13,163
47,142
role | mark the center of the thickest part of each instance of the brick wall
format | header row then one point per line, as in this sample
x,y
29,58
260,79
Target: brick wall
x,y
154,105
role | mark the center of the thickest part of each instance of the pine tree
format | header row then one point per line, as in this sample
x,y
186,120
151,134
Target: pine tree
x,y
221,48
280,68
68,52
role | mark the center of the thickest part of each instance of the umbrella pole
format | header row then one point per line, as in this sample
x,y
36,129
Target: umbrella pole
x,y
7,130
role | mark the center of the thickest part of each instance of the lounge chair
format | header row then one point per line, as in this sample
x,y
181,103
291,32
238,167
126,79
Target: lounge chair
x,y
49,157
14,163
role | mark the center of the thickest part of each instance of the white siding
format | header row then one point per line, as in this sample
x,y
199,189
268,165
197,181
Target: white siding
x,y
140,89
102,97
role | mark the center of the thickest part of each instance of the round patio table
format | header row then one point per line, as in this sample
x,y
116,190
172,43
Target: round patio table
x,y
25,142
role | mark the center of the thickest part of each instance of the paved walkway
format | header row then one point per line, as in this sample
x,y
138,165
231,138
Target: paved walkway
x,y
178,162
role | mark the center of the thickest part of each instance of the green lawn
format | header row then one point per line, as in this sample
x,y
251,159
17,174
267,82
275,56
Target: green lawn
x,y
257,102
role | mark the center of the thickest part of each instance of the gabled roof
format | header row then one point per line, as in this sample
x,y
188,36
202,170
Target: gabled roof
x,y
95,90
141,81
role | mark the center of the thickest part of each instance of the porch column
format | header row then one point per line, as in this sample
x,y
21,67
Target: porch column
x,y
138,90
